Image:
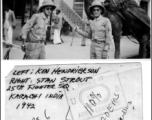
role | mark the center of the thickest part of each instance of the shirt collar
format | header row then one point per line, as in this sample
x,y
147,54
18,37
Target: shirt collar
x,y
97,19
43,16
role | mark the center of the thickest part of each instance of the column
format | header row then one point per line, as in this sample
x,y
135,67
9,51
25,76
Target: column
x,y
149,9
31,8
23,12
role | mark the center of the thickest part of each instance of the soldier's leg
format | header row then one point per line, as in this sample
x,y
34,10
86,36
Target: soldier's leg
x,y
32,51
98,50
92,51
42,52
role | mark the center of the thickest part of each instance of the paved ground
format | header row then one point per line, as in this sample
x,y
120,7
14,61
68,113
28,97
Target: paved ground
x,y
76,51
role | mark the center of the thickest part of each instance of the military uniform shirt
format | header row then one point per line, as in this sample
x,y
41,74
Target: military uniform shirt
x,y
36,27
100,29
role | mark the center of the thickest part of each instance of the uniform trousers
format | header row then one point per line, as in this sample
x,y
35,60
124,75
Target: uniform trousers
x,y
96,50
35,51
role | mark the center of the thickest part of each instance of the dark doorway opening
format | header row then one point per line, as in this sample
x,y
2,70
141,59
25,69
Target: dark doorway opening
x,y
144,5
16,6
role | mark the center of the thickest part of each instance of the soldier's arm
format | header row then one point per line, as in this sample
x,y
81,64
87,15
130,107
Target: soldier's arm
x,y
27,27
108,34
86,34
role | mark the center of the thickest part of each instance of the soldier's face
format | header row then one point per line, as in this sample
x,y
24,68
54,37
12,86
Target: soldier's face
x,y
96,12
48,11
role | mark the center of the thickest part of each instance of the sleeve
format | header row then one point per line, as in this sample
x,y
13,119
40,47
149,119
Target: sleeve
x,y
86,33
108,34
27,27
14,19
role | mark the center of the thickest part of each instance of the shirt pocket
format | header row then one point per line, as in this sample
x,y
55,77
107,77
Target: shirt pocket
x,y
37,26
40,23
101,27
92,26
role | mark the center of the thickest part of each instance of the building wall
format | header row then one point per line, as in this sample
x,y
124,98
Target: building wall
x,y
16,6
138,1
84,14
69,3
40,2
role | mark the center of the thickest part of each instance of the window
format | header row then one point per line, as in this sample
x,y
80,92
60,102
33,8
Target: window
x,y
78,7
144,5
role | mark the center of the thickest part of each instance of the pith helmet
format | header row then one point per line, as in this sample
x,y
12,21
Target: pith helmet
x,y
47,3
97,3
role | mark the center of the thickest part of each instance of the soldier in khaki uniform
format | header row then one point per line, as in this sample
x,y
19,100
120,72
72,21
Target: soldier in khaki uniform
x,y
100,32
34,32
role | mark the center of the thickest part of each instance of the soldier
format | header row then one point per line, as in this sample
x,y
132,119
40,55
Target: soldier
x,y
34,32
99,33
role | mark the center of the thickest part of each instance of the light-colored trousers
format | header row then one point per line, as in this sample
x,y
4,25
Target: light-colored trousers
x,y
8,32
96,50
35,51
57,38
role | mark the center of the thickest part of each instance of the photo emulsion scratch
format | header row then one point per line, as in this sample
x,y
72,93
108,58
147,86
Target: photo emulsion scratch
x,y
74,92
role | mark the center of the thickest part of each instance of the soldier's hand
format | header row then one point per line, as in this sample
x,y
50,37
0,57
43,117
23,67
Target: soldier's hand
x,y
86,21
75,28
104,54
23,47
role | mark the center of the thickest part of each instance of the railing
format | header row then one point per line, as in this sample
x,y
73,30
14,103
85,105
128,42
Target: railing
x,y
71,14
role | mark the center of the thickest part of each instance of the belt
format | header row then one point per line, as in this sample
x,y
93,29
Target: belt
x,y
37,41
97,41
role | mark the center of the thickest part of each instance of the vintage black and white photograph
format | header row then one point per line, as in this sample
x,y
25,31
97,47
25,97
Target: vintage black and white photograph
x,y
76,29
60,42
